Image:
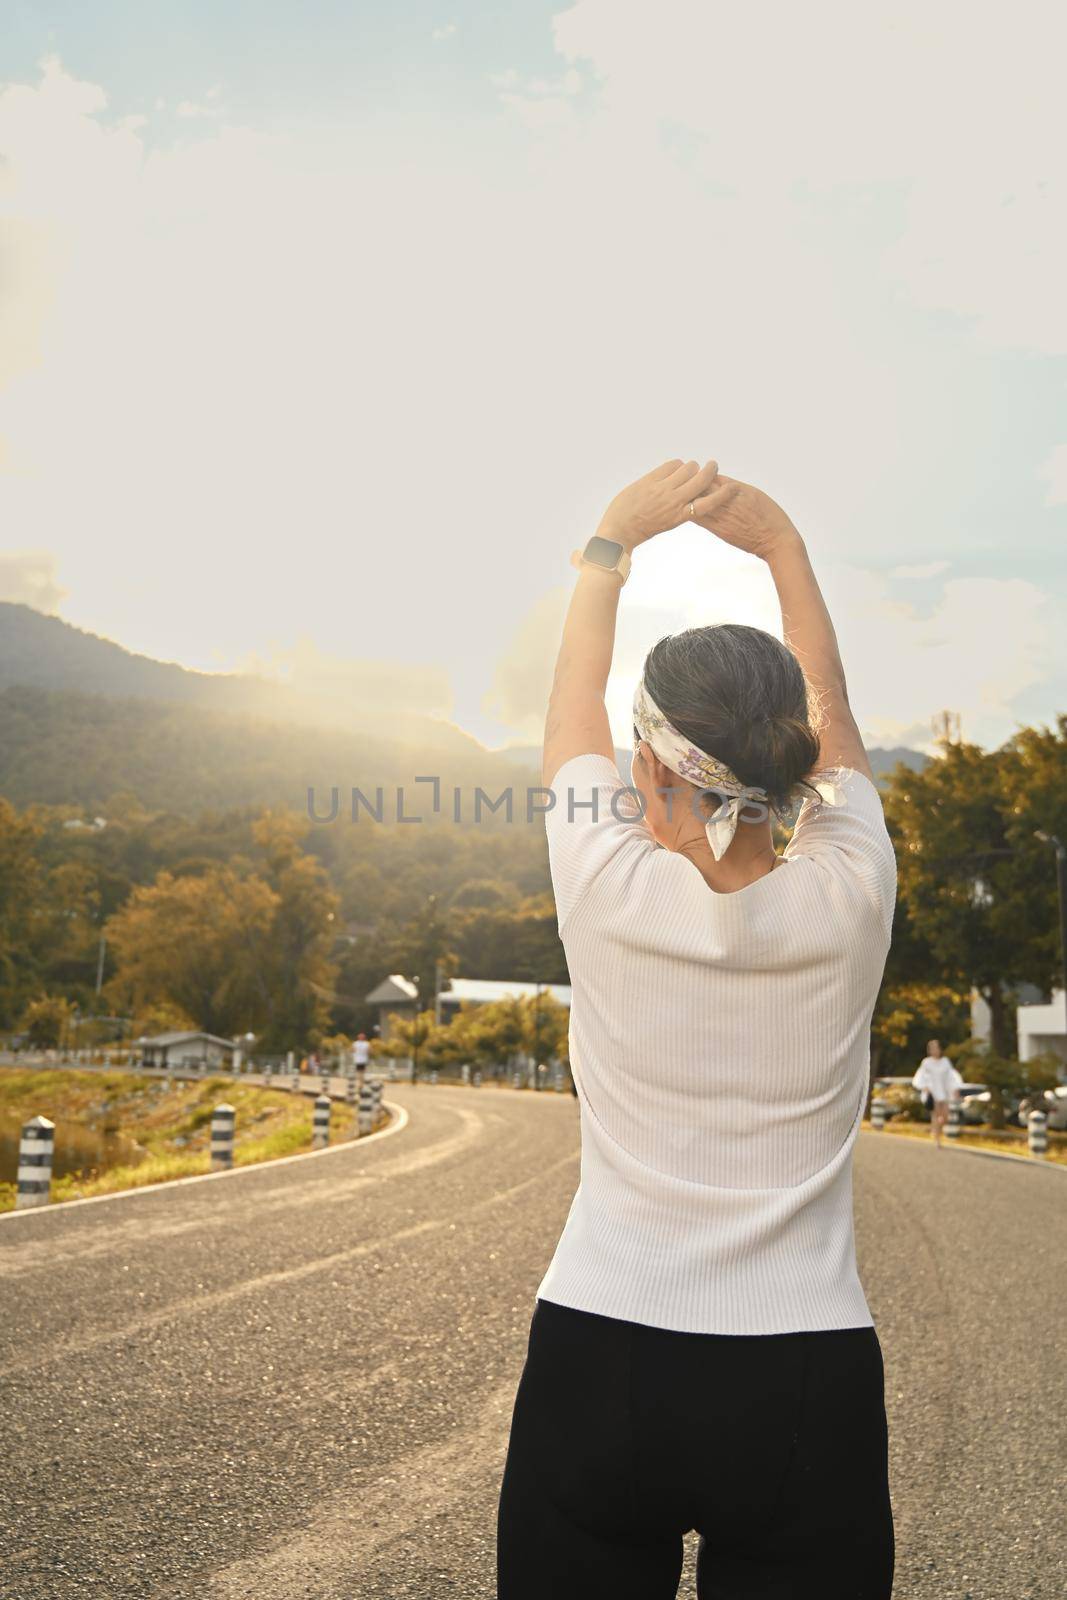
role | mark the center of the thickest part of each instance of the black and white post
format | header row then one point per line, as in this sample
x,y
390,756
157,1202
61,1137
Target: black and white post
x,y
1037,1136
223,1119
366,1108
35,1163
320,1123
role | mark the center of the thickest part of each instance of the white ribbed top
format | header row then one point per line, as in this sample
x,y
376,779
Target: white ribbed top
x,y
720,1048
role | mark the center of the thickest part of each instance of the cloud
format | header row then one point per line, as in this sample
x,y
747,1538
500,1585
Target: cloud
x,y
976,647
927,569
1054,473
957,113
343,381
444,31
522,679
30,579
356,690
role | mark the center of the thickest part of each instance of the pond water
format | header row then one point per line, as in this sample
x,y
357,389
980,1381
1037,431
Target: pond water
x,y
77,1149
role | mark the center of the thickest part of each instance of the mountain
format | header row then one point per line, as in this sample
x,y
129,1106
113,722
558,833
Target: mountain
x,y
83,720
42,652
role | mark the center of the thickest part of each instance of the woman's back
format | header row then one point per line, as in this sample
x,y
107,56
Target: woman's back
x,y
720,1043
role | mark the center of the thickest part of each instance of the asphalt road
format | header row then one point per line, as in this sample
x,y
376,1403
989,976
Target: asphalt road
x,y
297,1382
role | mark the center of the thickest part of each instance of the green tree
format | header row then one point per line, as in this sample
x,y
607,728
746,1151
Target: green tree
x,y
20,902
47,1022
963,878
301,972
202,944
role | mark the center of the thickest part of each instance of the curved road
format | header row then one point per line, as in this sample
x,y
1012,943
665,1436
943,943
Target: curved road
x,y
297,1382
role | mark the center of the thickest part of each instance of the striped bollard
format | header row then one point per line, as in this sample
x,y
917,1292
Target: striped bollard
x,y
320,1123
35,1162
954,1121
476,1078
222,1125
878,1114
366,1108
351,1089
465,1073
1037,1136
324,1085
376,1104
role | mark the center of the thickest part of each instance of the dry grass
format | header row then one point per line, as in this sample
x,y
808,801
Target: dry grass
x,y
172,1124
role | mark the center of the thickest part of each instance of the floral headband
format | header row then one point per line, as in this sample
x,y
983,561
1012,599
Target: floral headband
x,y
697,767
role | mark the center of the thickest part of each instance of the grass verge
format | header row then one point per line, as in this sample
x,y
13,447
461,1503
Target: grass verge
x,y
1010,1140
171,1124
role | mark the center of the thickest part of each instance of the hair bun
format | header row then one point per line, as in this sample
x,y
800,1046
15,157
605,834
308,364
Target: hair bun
x,y
739,694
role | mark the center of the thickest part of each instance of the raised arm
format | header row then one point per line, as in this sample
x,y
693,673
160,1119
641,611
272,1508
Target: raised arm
x,y
577,721
750,520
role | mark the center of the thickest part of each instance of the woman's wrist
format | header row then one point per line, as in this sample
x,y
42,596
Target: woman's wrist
x,y
781,543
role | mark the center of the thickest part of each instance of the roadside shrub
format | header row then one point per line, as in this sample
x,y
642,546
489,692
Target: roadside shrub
x,y
904,1103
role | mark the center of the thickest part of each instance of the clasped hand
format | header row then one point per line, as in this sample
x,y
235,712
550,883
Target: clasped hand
x,y
681,491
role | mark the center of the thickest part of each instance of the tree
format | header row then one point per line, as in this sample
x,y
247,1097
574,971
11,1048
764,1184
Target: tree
x,y
202,944
1006,1077
967,876
408,1037
47,1022
301,973
20,899
423,949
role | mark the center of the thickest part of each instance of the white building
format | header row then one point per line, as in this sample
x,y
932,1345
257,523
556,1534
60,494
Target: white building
x,y
185,1050
484,991
1043,1030
396,998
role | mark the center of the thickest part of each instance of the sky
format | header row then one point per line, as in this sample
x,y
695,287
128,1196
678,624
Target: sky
x,y
327,332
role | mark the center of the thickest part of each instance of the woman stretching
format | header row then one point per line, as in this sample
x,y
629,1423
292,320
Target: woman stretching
x,y
701,1353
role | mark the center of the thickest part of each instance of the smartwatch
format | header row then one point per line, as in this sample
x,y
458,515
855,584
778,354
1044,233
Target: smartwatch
x,y
608,555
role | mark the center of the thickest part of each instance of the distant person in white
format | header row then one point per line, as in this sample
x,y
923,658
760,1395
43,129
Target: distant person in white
x,y
701,1352
361,1053
938,1082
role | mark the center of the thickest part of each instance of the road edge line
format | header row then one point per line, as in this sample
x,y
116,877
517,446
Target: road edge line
x,y
399,1120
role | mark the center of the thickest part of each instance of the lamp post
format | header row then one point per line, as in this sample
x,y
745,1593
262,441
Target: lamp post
x,y
537,1035
1061,884
415,1032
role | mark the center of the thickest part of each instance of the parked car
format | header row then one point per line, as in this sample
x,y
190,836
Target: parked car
x,y
977,1100
897,1093
1053,1102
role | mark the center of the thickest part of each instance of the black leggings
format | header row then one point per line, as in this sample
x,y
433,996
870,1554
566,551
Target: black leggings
x,y
624,1437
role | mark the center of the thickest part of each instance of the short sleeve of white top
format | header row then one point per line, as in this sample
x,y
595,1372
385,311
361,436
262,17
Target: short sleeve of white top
x,y
720,1047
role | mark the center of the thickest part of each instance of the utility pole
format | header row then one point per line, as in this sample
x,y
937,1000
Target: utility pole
x,y
537,1035
945,726
100,963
